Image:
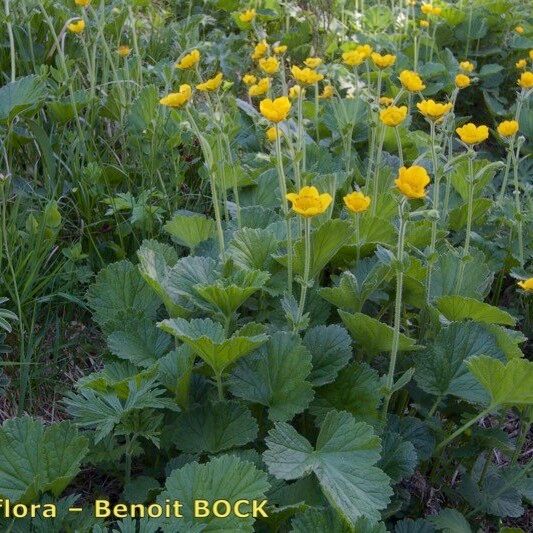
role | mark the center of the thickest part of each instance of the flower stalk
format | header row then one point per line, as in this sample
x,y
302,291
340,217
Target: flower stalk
x,y
397,307
307,268
284,206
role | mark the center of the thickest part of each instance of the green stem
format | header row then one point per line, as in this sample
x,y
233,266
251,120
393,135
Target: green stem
x,y
208,155
397,309
375,188
431,412
357,237
510,150
399,143
284,206
220,387
436,191
316,113
11,40
524,430
518,207
136,44
463,428
307,266
466,248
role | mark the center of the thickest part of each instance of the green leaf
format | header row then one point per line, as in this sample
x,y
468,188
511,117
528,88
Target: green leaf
x,y
215,427
103,411
276,376
206,338
190,229
458,216
492,493
330,347
156,272
407,525
457,308
356,390
223,478
141,489
319,520
399,458
415,431
355,287
450,521
175,371
507,340
37,459
139,342
252,248
144,111
477,277
461,170
64,110
326,241
227,295
507,384
327,520
441,369
120,293
342,460
372,335
19,96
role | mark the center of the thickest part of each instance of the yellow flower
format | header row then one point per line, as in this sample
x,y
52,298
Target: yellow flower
x,y
357,202
462,81
249,79
306,75
123,50
327,92
521,63
177,99
259,88
247,16
386,101
526,284
436,11
189,60
295,91
365,50
211,84
508,128
309,202
393,116
519,30
412,181
270,65
526,80
424,23
313,62
272,134
411,81
352,58
472,134
82,3
466,66
383,61
76,27
260,50
433,110
280,49
427,9
275,110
